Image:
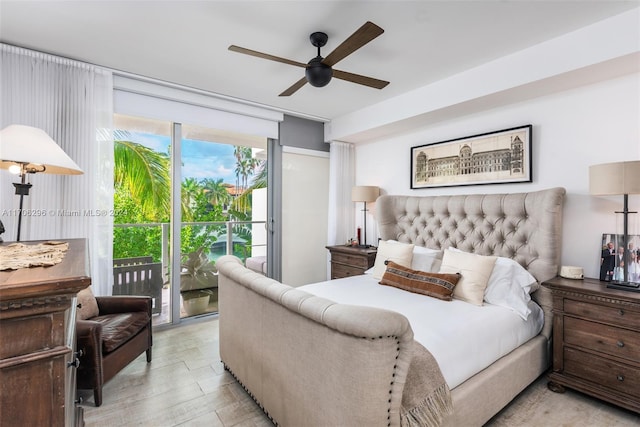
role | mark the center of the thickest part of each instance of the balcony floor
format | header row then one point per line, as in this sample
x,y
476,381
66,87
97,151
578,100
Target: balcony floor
x,y
163,318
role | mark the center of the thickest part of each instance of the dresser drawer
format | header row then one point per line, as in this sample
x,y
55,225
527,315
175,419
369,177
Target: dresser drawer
x,y
620,316
339,271
602,338
602,372
352,260
45,331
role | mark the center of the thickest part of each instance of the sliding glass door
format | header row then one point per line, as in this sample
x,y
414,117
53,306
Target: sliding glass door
x,y
201,190
223,209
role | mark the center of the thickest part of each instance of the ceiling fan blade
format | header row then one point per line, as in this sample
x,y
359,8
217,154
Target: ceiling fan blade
x,y
246,51
297,85
362,80
362,36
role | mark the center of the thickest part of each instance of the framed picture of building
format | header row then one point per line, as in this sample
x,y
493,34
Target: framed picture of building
x,y
498,157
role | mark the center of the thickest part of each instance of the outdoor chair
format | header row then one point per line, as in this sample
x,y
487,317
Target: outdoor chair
x,y
139,276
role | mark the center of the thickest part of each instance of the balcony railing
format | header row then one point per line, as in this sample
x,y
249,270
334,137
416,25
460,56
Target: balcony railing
x,y
135,277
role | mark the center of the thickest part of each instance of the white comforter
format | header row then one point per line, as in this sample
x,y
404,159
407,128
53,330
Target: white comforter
x,y
462,337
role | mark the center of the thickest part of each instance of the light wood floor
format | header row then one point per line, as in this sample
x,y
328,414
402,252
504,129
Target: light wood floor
x,y
186,385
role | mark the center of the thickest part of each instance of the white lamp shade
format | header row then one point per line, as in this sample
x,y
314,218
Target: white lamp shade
x,y
364,193
615,178
32,146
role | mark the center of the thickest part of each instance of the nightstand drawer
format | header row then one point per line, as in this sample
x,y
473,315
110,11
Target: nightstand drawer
x,y
348,259
618,316
602,338
339,271
602,372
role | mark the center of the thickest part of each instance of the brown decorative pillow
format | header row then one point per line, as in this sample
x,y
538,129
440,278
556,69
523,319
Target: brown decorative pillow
x,y
437,285
88,304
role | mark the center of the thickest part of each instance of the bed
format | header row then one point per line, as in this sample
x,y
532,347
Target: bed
x,y
330,354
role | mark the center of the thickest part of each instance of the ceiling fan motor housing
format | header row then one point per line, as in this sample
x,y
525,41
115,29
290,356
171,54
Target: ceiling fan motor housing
x,y
317,73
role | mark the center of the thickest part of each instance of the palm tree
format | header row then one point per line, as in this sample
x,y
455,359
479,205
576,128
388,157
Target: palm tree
x,y
216,191
246,164
190,189
144,174
259,181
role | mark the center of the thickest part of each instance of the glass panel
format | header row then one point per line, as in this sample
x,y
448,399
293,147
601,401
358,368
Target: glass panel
x,y
223,187
142,194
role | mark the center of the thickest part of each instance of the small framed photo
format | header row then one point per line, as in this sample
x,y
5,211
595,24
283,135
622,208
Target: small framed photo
x,y
498,157
613,256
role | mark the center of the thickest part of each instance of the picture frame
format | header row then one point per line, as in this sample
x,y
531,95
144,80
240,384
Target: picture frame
x,y
498,157
610,263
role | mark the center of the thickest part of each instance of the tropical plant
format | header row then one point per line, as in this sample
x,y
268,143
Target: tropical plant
x,y
215,191
143,173
197,271
246,164
190,189
143,192
243,201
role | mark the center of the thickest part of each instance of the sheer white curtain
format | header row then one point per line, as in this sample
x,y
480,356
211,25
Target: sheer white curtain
x,y
73,103
341,180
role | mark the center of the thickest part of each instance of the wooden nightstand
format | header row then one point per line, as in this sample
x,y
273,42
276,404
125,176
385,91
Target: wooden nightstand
x,y
596,341
350,261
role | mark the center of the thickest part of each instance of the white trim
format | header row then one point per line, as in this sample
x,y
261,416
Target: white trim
x,y
305,151
148,86
191,96
174,110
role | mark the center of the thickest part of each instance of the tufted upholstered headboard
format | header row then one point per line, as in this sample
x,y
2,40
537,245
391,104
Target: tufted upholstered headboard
x,y
524,226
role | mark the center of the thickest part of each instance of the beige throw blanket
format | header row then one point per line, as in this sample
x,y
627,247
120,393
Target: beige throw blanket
x,y
426,398
19,255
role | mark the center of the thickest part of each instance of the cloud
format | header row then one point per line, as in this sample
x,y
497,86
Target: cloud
x,y
200,159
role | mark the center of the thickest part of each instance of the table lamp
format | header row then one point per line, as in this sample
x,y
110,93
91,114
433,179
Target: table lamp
x,y
609,179
27,150
364,193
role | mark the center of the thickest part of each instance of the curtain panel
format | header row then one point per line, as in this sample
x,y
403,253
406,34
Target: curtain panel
x,y
73,103
341,180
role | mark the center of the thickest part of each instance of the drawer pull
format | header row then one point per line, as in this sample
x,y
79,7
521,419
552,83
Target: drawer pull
x,y
620,344
620,378
621,312
75,363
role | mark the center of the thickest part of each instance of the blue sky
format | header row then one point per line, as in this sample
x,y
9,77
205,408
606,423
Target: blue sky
x,y
200,159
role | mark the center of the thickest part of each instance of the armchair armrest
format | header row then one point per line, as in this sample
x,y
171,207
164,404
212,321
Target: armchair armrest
x,y
124,304
89,347
88,330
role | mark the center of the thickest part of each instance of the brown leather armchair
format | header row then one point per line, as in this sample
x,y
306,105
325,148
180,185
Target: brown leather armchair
x,y
110,333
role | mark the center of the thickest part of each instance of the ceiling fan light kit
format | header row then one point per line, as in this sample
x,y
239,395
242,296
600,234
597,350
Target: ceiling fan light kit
x,y
319,71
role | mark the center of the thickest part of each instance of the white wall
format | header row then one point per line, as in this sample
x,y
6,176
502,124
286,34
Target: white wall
x,y
573,129
305,206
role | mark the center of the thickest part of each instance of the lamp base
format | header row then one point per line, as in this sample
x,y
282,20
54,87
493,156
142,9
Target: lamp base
x,y
624,286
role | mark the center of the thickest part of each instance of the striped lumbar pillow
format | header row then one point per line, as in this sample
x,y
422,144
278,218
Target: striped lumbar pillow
x,y
437,285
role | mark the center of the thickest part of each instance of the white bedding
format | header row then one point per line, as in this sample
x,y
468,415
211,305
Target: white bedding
x,y
462,337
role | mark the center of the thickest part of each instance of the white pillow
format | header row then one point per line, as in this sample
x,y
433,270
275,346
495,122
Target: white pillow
x,y
425,259
400,253
475,271
509,286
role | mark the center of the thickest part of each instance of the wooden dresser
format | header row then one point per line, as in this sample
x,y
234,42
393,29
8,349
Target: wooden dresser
x,y
596,341
37,336
350,261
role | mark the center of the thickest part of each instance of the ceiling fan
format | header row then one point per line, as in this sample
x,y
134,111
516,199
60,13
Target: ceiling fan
x,y
319,70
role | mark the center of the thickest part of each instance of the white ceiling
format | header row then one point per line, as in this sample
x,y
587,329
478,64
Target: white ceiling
x,y
185,42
